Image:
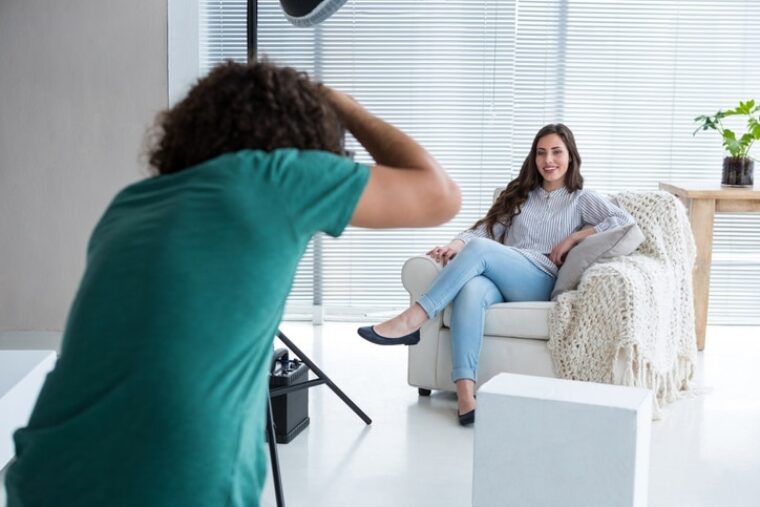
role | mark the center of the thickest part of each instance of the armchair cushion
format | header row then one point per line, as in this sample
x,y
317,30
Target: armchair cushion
x,y
526,319
597,247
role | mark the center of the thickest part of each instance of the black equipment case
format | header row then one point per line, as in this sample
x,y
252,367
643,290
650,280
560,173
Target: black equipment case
x,y
290,411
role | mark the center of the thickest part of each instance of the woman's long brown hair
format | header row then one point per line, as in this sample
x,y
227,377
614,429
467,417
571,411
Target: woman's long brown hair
x,y
510,201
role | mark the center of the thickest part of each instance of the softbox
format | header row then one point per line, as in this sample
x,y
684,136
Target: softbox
x,y
305,13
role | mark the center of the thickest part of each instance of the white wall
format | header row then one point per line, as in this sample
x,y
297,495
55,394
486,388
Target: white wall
x,y
79,82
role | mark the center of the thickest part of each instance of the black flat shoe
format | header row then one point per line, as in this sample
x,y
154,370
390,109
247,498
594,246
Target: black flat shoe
x,y
467,418
369,334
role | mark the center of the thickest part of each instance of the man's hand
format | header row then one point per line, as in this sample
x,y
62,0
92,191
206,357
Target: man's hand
x,y
407,187
444,254
343,103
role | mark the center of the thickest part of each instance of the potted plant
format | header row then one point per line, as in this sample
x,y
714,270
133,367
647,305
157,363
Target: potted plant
x,y
738,168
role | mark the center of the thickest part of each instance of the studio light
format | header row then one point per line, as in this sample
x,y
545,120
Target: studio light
x,y
305,13
301,13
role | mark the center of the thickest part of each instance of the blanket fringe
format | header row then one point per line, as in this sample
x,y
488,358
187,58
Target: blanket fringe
x,y
666,387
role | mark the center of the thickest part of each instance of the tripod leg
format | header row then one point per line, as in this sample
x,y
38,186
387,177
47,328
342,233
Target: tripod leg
x,y
273,457
313,367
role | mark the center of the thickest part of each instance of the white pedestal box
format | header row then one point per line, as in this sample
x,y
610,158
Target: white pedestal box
x,y
547,442
22,373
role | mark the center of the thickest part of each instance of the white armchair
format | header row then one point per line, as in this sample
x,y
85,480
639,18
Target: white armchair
x,y
516,335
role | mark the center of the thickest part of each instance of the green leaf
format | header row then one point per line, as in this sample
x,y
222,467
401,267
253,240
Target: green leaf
x,y
756,131
745,107
753,126
734,147
706,123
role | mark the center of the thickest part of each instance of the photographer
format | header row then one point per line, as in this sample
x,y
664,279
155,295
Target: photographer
x,y
159,395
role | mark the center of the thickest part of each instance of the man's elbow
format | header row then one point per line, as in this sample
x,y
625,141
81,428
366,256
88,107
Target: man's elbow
x,y
448,201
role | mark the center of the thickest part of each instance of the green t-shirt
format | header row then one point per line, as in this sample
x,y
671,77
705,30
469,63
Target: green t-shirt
x,y
159,395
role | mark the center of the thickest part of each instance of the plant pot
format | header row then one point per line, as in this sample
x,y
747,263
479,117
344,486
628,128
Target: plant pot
x,y
738,172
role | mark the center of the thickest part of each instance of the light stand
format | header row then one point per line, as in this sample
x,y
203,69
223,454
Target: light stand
x,y
251,34
322,378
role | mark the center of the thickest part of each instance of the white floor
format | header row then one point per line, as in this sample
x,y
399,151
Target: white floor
x,y
705,452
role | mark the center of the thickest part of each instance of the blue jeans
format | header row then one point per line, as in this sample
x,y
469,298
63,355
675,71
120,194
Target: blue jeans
x,y
484,273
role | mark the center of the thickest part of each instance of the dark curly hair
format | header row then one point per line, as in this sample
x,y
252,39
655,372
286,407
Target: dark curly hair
x,y
257,106
509,203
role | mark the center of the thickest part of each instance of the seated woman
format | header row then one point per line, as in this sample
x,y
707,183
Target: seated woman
x,y
511,254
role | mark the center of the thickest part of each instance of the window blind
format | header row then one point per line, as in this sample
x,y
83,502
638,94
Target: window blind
x,y
474,80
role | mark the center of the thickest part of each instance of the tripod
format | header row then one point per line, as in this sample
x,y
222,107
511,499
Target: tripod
x,y
279,391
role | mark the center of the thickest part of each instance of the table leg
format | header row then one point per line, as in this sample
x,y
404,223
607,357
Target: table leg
x,y
701,216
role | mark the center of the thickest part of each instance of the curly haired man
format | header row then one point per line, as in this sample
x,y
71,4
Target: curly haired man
x,y
159,395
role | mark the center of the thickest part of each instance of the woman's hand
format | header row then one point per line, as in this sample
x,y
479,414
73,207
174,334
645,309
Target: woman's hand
x,y
558,253
444,254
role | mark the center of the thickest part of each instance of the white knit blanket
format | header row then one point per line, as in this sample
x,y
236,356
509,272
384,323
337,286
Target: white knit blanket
x,y
631,320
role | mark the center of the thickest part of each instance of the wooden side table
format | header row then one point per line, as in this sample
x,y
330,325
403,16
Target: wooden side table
x,y
703,200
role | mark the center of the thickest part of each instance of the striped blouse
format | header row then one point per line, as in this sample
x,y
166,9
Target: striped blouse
x,y
547,218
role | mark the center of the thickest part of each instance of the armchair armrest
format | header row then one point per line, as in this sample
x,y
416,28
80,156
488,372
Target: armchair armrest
x,y
417,275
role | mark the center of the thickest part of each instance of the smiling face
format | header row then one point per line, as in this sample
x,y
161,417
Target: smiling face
x,y
552,161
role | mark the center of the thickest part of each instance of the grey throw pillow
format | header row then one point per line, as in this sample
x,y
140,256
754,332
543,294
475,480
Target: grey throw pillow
x,y
602,245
